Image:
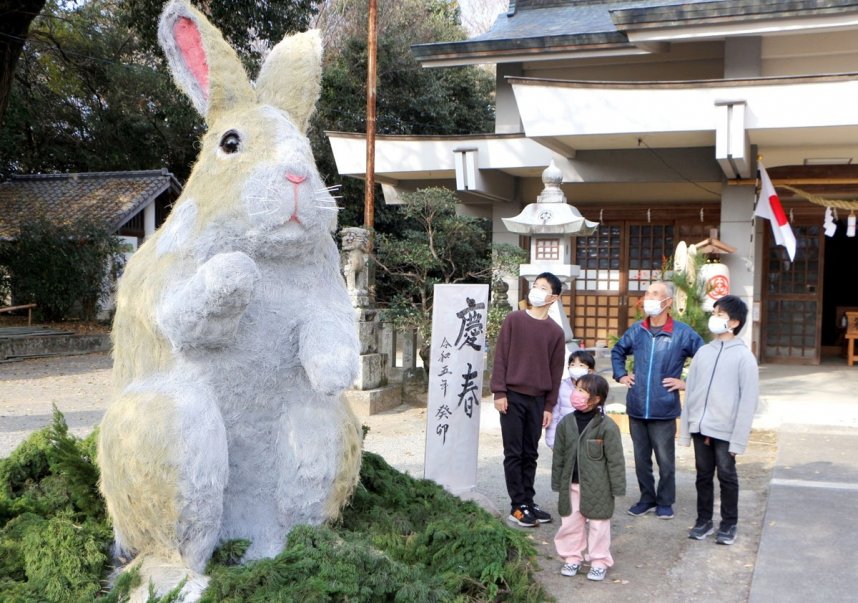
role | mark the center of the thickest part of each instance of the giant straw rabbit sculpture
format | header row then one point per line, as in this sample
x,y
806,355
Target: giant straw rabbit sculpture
x,y
234,337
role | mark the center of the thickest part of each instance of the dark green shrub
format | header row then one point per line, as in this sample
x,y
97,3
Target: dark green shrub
x,y
62,556
57,265
54,535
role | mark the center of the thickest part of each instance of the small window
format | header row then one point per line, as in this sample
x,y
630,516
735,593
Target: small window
x,y
548,249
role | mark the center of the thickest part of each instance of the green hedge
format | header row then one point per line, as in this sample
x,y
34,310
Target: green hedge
x,y
60,265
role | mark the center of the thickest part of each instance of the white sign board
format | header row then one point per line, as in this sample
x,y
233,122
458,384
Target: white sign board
x,y
455,385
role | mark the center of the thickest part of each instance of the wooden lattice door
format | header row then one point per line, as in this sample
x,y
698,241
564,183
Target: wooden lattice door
x,y
618,262
793,298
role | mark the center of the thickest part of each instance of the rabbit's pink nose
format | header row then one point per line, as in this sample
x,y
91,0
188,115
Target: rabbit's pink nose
x,y
295,178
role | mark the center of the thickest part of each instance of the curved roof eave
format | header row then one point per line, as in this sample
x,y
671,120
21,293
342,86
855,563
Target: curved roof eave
x,y
489,51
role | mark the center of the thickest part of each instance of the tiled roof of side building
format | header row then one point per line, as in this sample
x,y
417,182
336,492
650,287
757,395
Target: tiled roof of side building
x,y
110,198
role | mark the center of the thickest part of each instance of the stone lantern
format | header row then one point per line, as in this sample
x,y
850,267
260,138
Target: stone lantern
x,y
551,223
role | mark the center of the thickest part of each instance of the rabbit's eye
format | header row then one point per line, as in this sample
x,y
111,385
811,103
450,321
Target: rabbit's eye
x,y
230,142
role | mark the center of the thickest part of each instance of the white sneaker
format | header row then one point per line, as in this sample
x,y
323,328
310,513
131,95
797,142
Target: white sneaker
x,y
570,569
597,573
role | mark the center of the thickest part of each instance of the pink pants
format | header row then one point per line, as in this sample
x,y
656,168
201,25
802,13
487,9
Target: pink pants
x,y
572,538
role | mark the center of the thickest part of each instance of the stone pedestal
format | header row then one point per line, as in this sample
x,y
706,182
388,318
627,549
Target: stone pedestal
x,y
372,401
367,322
371,393
415,379
414,387
372,372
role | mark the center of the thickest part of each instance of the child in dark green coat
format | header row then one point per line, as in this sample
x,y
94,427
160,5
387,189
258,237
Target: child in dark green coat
x,y
588,472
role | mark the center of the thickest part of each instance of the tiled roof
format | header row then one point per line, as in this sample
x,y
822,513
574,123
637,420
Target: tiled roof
x,y
542,24
537,25
538,19
111,198
709,11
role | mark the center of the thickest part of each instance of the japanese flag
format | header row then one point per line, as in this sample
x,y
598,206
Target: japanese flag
x,y
770,208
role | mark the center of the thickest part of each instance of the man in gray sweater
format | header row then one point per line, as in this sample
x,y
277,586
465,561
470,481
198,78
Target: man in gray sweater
x,y
720,401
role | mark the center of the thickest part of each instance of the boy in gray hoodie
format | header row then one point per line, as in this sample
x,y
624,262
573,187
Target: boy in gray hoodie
x,y
720,401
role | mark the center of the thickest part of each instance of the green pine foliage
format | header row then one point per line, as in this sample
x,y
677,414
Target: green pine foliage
x,y
694,316
400,539
55,535
63,554
75,460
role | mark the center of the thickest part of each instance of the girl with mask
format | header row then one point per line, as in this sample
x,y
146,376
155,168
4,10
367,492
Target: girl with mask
x,y
580,364
588,472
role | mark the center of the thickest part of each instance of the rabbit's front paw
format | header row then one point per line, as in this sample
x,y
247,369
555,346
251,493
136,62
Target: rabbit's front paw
x,y
229,280
331,373
206,310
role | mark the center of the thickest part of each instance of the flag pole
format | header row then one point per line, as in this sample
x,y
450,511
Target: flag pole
x,y
753,237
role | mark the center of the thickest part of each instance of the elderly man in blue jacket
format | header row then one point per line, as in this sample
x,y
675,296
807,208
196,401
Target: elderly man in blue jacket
x,y
660,345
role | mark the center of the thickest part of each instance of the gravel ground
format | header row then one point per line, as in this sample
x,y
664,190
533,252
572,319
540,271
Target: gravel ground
x,y
78,385
653,558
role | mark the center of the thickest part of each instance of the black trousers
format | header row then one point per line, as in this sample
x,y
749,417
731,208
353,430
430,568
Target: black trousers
x,y
521,428
709,458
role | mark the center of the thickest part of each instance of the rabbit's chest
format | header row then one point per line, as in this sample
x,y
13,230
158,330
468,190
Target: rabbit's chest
x,y
271,325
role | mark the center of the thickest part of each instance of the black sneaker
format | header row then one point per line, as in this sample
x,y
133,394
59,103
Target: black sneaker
x,y
701,530
726,534
540,515
523,517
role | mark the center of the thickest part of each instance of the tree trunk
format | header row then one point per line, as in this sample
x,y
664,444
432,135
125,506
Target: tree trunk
x,y
17,16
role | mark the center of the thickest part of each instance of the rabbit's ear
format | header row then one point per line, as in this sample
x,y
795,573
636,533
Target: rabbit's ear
x,y
291,77
204,66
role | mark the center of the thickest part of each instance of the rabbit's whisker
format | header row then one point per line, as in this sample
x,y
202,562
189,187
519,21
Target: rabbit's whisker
x,y
262,205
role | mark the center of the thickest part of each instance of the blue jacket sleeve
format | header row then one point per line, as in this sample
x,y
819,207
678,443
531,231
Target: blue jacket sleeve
x,y
619,353
693,343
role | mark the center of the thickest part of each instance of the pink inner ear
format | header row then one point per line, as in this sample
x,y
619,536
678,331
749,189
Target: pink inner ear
x,y
191,46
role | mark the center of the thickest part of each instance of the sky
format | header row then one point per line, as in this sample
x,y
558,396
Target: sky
x,y
478,15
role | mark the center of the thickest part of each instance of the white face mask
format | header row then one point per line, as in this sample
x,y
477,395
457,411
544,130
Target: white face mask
x,y
718,325
652,307
536,297
576,372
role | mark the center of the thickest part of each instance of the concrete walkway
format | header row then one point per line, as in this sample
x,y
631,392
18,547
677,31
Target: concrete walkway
x,y
809,544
